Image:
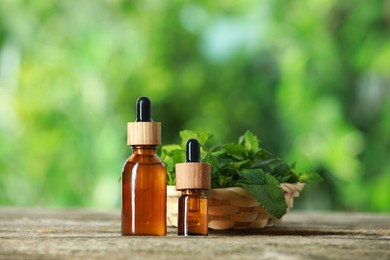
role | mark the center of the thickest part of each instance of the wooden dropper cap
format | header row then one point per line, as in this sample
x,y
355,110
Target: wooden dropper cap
x,y
144,131
193,174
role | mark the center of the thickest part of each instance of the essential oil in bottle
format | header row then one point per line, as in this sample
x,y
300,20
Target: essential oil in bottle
x,y
193,180
144,192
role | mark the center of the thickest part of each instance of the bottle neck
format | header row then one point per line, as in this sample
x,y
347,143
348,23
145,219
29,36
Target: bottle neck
x,y
144,149
194,192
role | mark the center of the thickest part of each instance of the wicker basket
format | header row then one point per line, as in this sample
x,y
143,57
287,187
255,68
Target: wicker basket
x,y
233,207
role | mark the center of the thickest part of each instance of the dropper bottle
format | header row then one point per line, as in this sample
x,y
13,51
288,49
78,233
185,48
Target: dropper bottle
x,y
193,180
144,192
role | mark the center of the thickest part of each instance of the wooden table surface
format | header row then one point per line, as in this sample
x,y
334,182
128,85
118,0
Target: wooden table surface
x,y
86,234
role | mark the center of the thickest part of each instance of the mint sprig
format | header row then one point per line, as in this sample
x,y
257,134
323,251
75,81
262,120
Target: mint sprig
x,y
243,164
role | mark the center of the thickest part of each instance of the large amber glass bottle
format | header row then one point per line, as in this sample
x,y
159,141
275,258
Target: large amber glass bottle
x,y
144,192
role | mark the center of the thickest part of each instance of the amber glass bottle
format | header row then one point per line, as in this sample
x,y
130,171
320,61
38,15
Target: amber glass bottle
x,y
192,213
144,178
193,179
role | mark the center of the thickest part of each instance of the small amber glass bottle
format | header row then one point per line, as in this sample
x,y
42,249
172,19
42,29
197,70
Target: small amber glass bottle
x,y
193,180
144,177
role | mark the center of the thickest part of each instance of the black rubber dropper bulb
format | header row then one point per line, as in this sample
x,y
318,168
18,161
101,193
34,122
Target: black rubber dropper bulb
x,y
192,151
144,110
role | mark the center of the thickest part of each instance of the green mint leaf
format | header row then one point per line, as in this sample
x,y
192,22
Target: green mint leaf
x,y
224,159
159,151
241,140
260,163
283,179
262,154
214,179
239,164
253,176
170,167
171,155
178,156
293,166
250,141
281,169
186,135
170,147
310,177
235,150
269,179
270,195
225,181
204,138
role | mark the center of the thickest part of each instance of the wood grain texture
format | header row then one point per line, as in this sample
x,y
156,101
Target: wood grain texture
x,y
193,176
86,234
143,133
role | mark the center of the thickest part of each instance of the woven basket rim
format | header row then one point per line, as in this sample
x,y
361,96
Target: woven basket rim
x,y
284,183
235,187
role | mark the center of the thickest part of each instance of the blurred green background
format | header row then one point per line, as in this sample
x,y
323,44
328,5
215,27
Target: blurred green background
x,y
310,78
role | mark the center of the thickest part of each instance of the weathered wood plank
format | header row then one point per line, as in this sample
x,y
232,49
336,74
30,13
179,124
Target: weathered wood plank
x,y
76,234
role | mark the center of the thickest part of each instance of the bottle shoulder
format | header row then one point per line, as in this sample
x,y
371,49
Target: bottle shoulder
x,y
142,161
